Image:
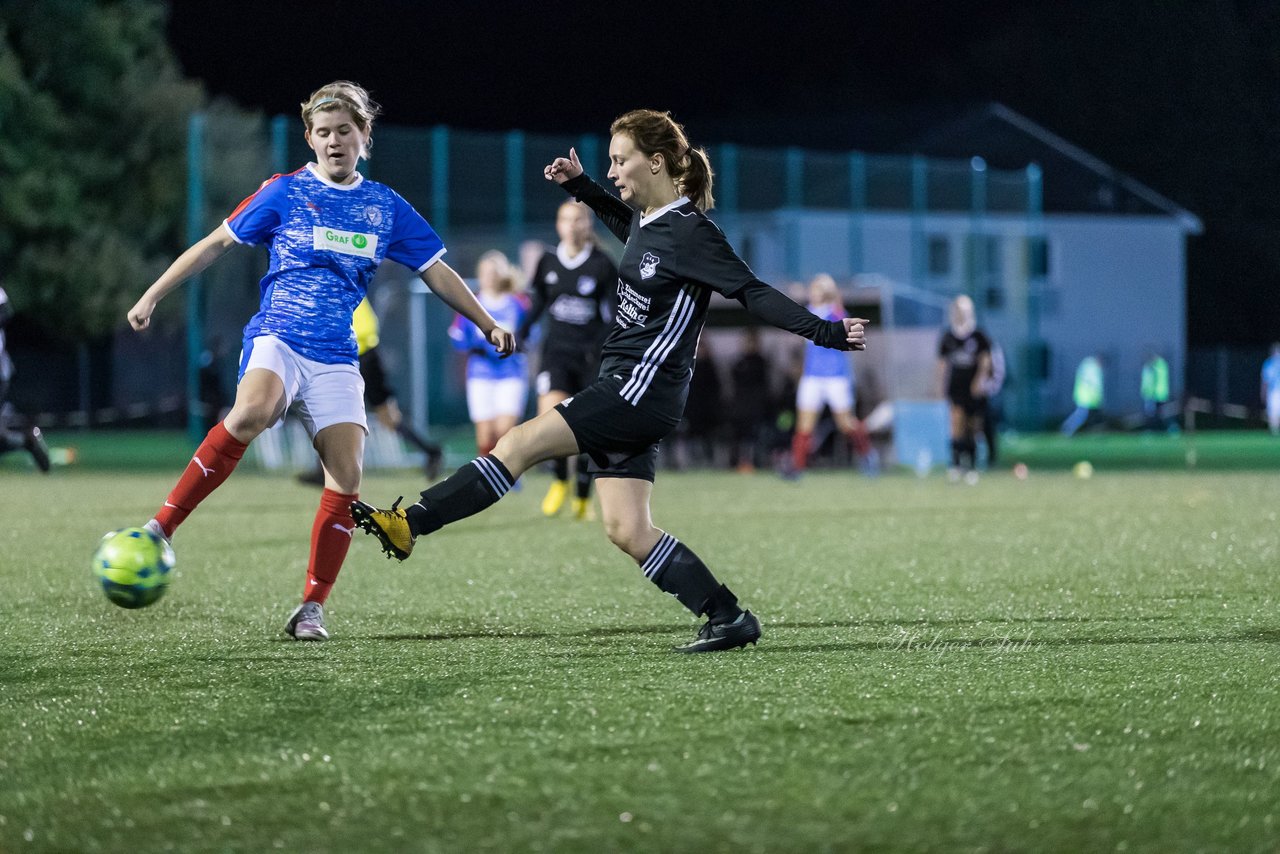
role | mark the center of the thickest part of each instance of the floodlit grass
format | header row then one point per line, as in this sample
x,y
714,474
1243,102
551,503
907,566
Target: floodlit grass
x,y
1049,664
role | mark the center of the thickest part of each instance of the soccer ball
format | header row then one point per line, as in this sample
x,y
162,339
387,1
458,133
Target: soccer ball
x,y
133,565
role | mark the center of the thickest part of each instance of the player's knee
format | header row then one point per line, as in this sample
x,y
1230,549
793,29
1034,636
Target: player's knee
x,y
247,421
625,533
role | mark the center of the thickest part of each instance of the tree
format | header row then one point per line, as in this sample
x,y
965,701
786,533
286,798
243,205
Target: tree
x,y
93,119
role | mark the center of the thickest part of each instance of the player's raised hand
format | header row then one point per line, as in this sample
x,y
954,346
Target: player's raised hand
x,y
503,340
563,168
855,332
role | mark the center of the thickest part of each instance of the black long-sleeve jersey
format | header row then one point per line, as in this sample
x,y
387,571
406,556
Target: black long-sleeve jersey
x,y
577,294
672,261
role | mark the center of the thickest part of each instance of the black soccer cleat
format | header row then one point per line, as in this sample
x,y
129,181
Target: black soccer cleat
x,y
714,637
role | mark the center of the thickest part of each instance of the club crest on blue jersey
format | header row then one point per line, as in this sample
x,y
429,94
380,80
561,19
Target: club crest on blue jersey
x,y
373,215
649,265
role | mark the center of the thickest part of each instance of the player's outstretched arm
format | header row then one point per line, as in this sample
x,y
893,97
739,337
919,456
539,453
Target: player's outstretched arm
x,y
777,309
448,285
199,256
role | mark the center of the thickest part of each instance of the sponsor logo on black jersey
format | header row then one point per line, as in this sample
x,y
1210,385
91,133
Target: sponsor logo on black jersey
x,y
649,265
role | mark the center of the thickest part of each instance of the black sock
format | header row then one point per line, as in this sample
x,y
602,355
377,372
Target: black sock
x,y
477,485
560,468
677,570
583,477
968,453
957,446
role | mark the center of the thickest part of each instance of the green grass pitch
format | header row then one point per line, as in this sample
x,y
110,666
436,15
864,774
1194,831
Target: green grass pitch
x,y
1050,664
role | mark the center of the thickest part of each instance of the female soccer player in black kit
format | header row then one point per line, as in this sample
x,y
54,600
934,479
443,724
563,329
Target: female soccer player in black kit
x,y
674,258
574,286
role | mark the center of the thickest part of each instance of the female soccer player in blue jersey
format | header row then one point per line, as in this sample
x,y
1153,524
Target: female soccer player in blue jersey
x,y
673,259
327,229
827,381
497,385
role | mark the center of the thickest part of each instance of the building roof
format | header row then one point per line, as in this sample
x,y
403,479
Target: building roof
x,y
1075,181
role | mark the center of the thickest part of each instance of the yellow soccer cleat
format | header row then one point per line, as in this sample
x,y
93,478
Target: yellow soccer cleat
x,y
555,497
582,509
391,527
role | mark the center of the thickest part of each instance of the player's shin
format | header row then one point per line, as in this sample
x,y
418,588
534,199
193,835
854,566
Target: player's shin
x,y
330,539
474,487
677,570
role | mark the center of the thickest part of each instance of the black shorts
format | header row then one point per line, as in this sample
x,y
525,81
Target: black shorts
x,y
619,439
566,371
968,404
376,390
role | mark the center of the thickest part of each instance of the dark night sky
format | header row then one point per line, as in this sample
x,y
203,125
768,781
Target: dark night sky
x,y
1181,93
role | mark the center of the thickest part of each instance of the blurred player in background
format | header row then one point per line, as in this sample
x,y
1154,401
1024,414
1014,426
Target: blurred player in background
x,y
574,291
13,433
497,383
964,364
1154,389
827,381
327,229
1271,389
1087,393
992,411
378,395
674,258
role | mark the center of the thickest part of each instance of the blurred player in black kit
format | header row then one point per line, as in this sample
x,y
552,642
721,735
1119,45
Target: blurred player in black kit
x,y
13,432
964,366
575,287
674,258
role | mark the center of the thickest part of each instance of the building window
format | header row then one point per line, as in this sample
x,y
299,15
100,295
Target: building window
x,y
939,255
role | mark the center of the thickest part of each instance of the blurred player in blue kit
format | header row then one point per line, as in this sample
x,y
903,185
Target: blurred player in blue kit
x,y
327,229
1271,389
497,383
828,382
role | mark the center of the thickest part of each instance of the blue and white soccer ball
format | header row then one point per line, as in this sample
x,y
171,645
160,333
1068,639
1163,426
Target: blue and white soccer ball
x,y
134,566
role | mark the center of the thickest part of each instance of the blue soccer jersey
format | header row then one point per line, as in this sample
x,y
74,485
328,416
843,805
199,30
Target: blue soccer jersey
x,y
485,362
821,361
1271,374
326,241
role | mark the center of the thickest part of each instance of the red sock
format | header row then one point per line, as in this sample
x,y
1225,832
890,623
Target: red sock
x,y
211,464
800,450
859,440
330,539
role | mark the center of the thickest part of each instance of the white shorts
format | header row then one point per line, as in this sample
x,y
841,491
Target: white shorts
x,y
319,395
816,392
1273,405
489,399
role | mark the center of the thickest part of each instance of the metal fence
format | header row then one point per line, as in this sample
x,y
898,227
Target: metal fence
x,y
485,190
